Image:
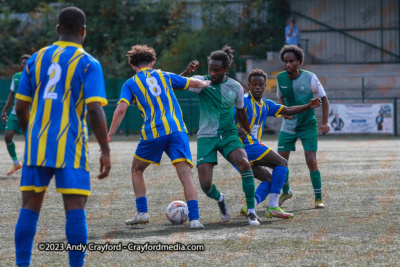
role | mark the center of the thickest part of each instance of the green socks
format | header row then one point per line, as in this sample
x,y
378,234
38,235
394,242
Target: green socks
x,y
248,188
286,187
316,183
11,150
213,193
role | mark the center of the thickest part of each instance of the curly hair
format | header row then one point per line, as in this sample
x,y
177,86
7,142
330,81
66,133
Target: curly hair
x,y
297,51
225,55
257,72
25,56
140,55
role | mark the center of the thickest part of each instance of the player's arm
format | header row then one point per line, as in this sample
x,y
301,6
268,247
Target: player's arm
x,y
325,115
241,113
197,83
192,67
318,90
242,117
281,99
289,111
22,110
8,104
118,116
98,122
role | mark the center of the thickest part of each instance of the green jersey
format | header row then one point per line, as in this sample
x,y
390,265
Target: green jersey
x,y
216,104
299,92
14,87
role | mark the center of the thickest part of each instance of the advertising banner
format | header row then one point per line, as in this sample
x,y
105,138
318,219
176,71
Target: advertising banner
x,y
361,118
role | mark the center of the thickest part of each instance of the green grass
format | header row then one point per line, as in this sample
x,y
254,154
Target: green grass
x,y
358,227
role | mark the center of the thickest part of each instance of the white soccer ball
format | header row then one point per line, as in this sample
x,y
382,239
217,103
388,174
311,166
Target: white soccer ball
x,y
177,212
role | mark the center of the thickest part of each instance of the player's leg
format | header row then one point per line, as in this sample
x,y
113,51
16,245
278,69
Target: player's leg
x,y
264,188
74,185
279,165
309,139
238,157
139,188
206,159
286,144
32,179
147,151
75,226
178,150
315,175
8,138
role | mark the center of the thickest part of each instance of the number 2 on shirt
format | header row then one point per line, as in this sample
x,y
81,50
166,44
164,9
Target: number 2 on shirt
x,y
52,81
154,88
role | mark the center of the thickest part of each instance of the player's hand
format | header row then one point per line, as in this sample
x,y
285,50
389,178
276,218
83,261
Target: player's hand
x,y
4,117
105,165
109,137
242,133
314,103
287,117
325,128
207,82
192,67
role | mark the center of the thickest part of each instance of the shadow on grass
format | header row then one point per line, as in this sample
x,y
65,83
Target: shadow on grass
x,y
8,178
143,231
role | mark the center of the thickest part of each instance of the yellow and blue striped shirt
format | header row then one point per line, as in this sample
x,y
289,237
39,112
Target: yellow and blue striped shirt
x,y
59,80
152,91
257,115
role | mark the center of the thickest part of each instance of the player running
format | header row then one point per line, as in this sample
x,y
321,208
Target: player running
x,y
296,87
261,156
59,85
11,122
217,130
163,128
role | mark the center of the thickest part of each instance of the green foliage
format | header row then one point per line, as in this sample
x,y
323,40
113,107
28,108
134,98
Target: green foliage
x,y
113,26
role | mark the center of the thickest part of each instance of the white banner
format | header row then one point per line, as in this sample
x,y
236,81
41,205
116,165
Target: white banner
x,y
361,118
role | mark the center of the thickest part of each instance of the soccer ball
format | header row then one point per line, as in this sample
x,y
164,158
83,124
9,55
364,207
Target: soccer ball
x,y
177,212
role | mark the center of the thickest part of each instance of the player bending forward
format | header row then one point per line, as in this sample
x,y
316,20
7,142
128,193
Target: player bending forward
x,y
163,129
217,130
261,156
296,87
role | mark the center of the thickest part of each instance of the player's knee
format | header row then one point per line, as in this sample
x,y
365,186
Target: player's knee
x,y
205,185
243,165
283,162
8,138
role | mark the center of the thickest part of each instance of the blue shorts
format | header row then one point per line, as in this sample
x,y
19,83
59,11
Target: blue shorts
x,y
68,180
175,145
255,152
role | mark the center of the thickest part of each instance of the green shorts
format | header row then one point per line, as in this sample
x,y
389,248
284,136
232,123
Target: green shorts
x,y
309,140
12,124
207,148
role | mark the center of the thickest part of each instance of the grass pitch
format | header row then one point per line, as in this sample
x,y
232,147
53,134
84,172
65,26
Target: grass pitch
x,y
358,227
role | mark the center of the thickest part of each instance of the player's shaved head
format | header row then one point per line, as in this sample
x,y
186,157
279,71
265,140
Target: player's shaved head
x,y
141,55
71,20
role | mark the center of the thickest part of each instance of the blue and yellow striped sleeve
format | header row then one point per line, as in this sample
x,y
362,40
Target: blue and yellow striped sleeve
x,y
126,94
94,89
24,90
179,82
273,108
